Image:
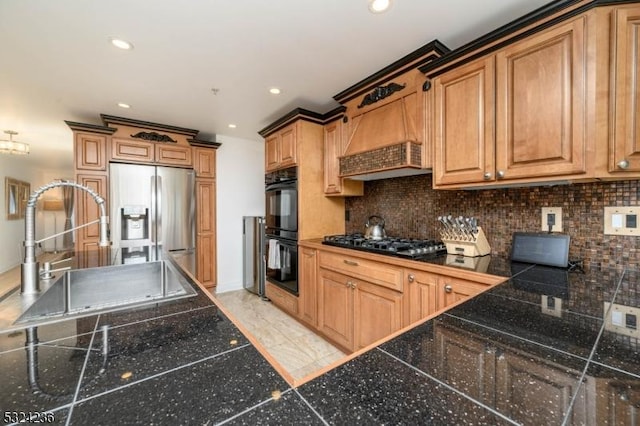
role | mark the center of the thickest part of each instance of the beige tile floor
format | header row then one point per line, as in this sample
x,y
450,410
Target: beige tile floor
x,y
298,349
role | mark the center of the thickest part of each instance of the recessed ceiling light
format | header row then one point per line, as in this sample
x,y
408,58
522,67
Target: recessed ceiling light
x,y
232,126
123,105
121,44
274,91
379,6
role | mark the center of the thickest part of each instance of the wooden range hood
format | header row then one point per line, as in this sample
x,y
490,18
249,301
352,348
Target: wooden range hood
x,y
384,142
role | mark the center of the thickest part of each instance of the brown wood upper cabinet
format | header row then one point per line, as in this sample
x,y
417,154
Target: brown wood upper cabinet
x,y
280,149
625,152
90,151
139,151
535,94
334,138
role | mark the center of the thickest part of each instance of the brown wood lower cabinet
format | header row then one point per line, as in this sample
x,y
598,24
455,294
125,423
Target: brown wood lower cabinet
x,y
355,313
427,293
335,307
377,312
453,290
281,298
421,289
355,301
307,285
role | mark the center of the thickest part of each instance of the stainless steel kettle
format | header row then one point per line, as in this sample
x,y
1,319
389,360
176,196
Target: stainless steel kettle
x,y
374,228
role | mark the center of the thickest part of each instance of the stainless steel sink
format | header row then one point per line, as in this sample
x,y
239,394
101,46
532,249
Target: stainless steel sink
x,y
86,291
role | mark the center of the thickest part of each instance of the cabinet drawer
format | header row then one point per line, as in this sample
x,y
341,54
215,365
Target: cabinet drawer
x,y
375,272
283,299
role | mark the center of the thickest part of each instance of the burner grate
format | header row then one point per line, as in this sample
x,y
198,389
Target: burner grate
x,y
399,247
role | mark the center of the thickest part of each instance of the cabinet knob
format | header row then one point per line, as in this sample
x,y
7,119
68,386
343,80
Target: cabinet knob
x,y
349,284
487,176
411,278
448,288
624,164
500,174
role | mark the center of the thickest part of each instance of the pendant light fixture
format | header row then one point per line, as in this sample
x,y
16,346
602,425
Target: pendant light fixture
x,y
9,146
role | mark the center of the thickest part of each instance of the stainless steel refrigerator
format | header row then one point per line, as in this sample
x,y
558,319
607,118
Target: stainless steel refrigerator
x,y
253,259
152,209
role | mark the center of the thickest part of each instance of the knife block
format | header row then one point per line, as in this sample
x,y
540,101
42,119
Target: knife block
x,y
467,246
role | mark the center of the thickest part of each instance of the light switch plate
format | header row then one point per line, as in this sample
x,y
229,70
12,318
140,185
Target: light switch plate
x,y
557,211
616,319
622,220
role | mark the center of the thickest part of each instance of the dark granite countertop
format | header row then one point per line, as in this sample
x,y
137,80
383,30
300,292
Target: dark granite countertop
x,y
530,351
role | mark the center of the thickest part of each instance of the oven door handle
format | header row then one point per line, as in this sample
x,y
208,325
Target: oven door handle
x,y
286,185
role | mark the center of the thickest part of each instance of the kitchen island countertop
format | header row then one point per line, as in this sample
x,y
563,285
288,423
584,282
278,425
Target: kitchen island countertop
x,y
533,350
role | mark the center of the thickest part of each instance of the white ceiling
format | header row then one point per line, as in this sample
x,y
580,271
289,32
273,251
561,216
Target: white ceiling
x,y
57,63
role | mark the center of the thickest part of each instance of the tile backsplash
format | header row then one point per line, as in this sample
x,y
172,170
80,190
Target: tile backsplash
x,y
410,209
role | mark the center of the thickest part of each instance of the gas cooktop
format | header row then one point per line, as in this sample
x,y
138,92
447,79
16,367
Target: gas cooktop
x,y
400,247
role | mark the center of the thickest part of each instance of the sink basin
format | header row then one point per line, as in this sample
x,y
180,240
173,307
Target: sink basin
x,y
86,291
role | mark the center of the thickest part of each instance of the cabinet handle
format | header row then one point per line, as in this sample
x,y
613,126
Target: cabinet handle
x,y
500,174
448,288
624,164
411,278
487,176
350,262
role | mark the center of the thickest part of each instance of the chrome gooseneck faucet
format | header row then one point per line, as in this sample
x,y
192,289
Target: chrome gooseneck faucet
x,y
30,267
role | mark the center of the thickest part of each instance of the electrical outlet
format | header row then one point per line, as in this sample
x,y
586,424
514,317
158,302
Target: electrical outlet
x,y
621,319
551,306
552,216
621,220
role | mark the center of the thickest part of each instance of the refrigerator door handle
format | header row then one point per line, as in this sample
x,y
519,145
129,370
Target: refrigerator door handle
x,y
159,212
152,209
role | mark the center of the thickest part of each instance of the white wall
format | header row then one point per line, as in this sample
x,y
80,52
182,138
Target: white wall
x,y
240,192
12,231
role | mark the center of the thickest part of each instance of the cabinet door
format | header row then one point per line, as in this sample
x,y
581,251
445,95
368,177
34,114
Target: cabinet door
x,y
335,307
307,286
206,231
377,312
86,211
173,155
541,104
288,139
271,152
334,137
132,151
464,124
91,152
206,205
206,259
422,292
626,90
204,162
453,290
332,150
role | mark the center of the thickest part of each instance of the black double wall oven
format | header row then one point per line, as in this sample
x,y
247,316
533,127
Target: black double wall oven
x,y
281,228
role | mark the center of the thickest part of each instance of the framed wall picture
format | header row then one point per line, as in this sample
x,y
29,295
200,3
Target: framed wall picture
x,y
16,196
